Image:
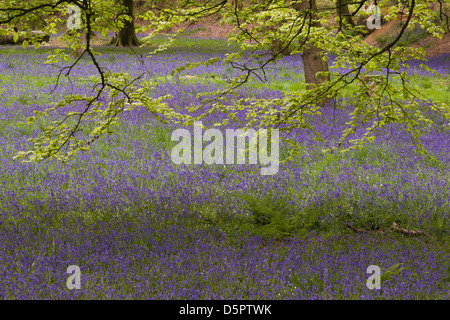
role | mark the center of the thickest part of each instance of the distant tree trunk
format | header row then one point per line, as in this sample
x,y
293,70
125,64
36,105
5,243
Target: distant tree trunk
x,y
312,56
313,63
278,46
9,39
344,13
126,37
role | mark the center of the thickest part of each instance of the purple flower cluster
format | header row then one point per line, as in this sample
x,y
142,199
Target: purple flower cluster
x,y
135,222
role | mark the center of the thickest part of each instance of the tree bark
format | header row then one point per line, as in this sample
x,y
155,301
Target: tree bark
x,y
343,12
126,37
312,56
277,48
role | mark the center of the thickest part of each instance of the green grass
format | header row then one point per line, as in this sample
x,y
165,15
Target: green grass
x,y
436,88
191,44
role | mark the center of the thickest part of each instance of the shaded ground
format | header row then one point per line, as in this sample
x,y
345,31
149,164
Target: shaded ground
x,y
436,47
210,28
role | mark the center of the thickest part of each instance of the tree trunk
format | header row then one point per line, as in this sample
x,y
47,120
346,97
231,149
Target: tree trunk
x,y
312,56
278,47
344,13
126,37
313,63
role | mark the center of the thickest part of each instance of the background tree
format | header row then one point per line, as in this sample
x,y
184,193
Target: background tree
x,y
126,36
344,13
314,58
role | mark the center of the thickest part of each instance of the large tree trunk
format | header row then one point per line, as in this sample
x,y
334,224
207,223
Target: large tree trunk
x,y
126,37
313,63
312,56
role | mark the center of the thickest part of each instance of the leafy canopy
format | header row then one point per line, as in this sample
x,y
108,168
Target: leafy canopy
x,y
381,92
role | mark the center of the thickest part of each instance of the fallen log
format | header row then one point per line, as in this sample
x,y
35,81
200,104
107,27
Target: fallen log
x,y
394,227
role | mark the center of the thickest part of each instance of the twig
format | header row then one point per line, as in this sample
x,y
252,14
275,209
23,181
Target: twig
x,y
394,227
354,229
397,228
